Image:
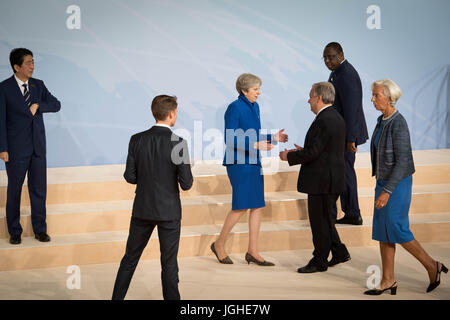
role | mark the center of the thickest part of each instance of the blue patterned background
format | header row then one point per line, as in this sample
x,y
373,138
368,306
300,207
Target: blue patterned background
x,y
107,72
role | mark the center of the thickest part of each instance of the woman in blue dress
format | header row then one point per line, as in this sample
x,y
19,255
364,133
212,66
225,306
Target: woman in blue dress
x,y
393,166
242,160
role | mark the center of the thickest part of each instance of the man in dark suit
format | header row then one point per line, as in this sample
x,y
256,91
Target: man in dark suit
x,y
23,101
348,102
322,176
157,162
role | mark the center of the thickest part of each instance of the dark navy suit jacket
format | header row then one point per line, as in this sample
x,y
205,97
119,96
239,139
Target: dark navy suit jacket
x,y
348,102
21,133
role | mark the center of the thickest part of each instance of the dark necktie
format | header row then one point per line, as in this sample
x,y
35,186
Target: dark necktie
x,y
26,95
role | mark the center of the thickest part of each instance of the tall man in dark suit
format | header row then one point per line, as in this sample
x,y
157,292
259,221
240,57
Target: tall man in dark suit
x,y
157,162
348,102
23,101
322,176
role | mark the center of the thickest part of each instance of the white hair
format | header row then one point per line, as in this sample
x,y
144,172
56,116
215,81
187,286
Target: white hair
x,y
390,89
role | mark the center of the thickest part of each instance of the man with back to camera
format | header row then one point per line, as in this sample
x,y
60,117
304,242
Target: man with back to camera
x,y
322,176
157,162
348,102
23,100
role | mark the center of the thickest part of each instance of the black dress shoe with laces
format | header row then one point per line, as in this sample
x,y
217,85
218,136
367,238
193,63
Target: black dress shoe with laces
x,y
311,268
42,237
15,240
350,220
335,260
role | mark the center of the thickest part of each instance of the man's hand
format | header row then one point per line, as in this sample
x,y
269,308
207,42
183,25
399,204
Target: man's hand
x,y
263,145
4,156
351,146
280,136
283,154
382,200
33,108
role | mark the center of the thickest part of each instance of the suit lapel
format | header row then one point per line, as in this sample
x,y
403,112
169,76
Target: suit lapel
x,y
18,96
33,91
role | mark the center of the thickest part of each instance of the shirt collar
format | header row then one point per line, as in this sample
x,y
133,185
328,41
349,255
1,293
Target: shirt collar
x,y
339,66
20,82
162,125
323,109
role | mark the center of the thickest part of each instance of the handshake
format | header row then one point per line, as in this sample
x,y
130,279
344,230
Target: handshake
x,y
283,154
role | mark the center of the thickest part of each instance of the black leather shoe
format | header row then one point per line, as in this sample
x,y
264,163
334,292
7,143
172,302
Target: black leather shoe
x,y
15,240
42,237
310,268
334,260
350,220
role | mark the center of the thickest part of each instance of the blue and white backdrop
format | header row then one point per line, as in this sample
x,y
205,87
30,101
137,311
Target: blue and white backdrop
x,y
105,60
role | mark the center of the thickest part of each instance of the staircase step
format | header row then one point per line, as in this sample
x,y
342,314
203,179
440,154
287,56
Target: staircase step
x,y
104,247
106,183
199,210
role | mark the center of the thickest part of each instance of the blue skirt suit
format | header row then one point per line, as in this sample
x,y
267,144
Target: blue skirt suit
x,y
391,223
242,126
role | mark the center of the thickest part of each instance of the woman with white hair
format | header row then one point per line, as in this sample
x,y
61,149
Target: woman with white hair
x,y
393,166
242,160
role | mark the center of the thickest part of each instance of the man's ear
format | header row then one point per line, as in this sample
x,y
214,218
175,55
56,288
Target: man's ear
x,y
16,68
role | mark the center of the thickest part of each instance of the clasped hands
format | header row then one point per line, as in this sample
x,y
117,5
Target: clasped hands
x,y
266,145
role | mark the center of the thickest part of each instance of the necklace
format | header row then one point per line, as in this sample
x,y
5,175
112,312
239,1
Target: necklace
x,y
385,118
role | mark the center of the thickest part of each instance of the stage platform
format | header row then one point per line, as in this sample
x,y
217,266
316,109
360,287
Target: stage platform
x,y
203,278
89,212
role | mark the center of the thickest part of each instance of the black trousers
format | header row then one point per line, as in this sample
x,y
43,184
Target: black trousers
x,y
325,236
349,198
36,167
169,239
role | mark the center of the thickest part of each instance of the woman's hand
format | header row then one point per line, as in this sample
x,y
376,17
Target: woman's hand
x,y
263,145
382,200
280,136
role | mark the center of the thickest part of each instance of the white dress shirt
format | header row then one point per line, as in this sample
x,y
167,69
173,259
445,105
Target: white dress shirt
x,y
20,83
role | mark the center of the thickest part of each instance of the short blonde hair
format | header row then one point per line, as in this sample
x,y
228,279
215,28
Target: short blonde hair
x,y
390,89
246,81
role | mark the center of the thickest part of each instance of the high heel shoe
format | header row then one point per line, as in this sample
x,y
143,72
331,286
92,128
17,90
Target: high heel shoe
x,y
436,283
225,260
249,258
377,292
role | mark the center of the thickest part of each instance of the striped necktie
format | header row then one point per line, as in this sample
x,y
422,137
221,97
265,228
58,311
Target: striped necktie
x,y
26,95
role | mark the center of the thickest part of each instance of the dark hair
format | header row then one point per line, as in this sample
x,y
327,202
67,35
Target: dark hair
x,y
336,46
162,105
17,56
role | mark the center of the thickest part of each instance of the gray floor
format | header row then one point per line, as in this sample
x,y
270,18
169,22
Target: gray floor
x,y
203,278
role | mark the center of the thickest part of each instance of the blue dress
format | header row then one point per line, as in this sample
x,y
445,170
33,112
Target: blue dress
x,y
391,223
242,126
